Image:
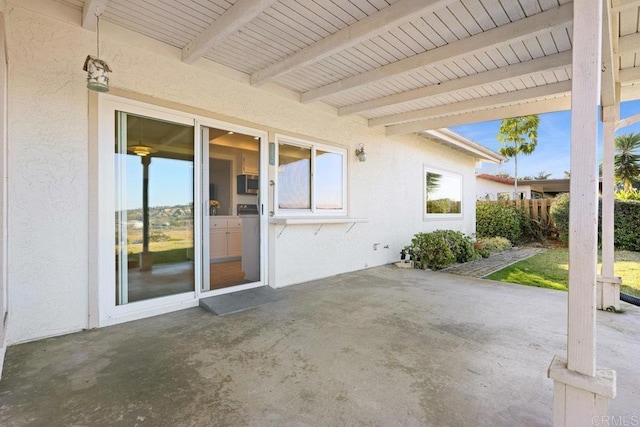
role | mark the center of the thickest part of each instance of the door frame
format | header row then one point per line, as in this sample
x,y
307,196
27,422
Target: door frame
x,y
262,162
103,310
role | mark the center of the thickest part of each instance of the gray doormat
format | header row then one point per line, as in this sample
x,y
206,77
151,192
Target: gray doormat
x,y
240,301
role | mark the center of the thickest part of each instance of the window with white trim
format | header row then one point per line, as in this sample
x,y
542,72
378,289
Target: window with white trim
x,y
442,193
311,178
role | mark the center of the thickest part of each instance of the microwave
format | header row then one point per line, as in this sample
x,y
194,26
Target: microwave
x,y
248,184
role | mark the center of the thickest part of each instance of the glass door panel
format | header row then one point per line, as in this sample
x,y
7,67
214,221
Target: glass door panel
x,y
154,215
231,240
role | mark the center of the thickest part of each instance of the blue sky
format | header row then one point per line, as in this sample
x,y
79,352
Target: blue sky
x,y
170,182
553,151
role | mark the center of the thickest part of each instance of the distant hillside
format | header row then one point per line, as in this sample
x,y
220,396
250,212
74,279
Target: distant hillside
x,y
164,215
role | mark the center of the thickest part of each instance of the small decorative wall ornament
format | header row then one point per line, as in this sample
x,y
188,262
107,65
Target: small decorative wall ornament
x,y
97,69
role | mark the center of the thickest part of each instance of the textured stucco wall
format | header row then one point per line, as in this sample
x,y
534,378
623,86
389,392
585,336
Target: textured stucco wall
x,y
48,165
492,188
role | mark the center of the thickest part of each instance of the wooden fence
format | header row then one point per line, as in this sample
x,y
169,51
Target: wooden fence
x,y
536,208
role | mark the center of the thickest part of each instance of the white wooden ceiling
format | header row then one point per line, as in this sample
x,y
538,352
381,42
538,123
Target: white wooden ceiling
x,y
410,65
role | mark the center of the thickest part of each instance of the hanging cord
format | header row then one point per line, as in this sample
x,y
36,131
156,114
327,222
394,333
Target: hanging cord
x,y
98,31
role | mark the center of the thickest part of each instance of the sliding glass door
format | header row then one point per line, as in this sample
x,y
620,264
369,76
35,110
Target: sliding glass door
x,y
154,209
231,239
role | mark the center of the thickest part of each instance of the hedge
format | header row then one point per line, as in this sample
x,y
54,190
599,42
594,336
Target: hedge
x,y
626,220
496,220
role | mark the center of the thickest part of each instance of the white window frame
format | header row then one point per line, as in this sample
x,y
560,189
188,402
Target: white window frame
x,y
313,146
430,216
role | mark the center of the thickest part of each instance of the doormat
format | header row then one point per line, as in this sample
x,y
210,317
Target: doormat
x,y
236,302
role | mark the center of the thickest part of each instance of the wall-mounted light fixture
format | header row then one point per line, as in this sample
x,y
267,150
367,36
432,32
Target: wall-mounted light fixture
x,y
97,69
360,154
143,150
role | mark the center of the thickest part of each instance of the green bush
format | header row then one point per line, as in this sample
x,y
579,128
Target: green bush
x,y
626,220
441,248
632,194
495,244
532,229
484,252
460,245
430,251
494,220
560,214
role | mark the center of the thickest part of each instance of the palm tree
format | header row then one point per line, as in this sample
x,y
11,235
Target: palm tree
x,y
520,136
626,160
542,175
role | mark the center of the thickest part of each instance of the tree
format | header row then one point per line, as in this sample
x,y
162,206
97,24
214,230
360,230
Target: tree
x,y
519,135
542,175
504,175
626,160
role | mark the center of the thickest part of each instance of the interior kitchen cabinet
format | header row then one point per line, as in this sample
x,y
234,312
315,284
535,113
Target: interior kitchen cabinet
x,y
250,163
225,238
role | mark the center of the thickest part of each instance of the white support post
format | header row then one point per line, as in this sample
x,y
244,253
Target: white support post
x,y
608,285
580,393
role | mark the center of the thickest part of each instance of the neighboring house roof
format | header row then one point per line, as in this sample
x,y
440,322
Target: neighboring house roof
x,y
548,185
495,178
459,142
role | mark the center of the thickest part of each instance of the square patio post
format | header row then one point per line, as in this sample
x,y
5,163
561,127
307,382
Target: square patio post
x,y
582,392
608,285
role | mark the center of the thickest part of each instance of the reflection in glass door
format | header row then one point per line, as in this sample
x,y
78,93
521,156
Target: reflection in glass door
x,y
231,230
154,208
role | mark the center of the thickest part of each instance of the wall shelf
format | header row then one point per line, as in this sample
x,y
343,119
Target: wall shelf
x,y
321,221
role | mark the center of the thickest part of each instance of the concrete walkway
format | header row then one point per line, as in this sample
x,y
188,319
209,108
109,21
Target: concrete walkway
x,y
381,347
485,266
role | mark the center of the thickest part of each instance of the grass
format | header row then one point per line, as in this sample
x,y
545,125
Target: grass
x,y
551,270
176,249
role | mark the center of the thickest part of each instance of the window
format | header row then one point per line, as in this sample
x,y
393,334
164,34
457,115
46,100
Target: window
x,y
311,178
443,193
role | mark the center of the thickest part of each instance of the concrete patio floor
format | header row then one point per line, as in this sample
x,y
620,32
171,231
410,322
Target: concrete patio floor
x,y
383,346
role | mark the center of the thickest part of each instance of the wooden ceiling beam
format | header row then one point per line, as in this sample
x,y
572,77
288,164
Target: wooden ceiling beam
x,y
628,44
619,5
513,32
500,100
523,69
90,12
536,107
629,75
609,65
373,25
236,17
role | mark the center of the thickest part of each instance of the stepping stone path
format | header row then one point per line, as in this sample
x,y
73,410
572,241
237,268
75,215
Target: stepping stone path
x,y
485,266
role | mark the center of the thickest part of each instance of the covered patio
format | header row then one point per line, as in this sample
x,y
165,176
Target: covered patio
x,y
382,346
383,73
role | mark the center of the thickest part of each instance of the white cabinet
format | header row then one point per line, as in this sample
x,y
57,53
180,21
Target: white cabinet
x,y
250,164
225,238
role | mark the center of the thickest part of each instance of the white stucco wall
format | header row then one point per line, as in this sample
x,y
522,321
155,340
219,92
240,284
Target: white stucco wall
x,y
48,271
491,188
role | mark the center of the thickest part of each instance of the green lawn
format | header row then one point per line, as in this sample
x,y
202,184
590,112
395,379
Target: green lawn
x,y
550,270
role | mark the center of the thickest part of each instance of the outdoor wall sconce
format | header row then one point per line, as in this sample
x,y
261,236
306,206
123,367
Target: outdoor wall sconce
x,y
360,154
97,69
